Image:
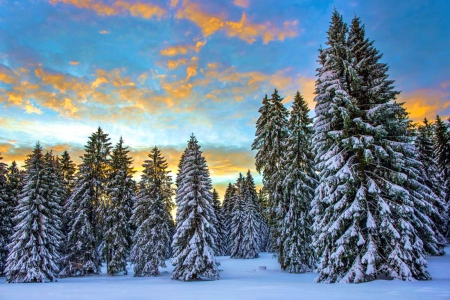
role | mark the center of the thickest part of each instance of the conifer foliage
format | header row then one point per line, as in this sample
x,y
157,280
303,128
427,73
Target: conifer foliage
x,y
298,191
245,229
221,228
5,216
368,204
194,240
151,216
34,244
85,208
116,220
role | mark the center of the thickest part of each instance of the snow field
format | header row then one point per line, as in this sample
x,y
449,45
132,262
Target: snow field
x,y
240,279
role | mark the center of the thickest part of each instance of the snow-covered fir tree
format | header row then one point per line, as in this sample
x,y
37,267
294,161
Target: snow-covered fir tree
x,y
85,206
227,207
14,186
271,133
237,219
221,247
34,245
67,169
252,226
298,191
116,220
365,220
194,240
442,153
431,177
151,217
5,216
265,245
245,226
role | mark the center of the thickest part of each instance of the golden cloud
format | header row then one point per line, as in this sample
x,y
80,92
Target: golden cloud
x,y
31,109
241,3
143,10
172,64
104,31
426,103
208,23
74,63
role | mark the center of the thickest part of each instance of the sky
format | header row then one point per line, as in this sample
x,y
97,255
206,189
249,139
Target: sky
x,y
156,71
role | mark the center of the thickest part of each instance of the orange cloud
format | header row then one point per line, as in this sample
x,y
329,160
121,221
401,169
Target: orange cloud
x,y
31,109
426,103
249,32
172,64
7,78
143,10
209,24
74,63
242,3
104,32
243,29
175,50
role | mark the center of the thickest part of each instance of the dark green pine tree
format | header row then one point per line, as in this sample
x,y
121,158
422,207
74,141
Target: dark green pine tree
x,y
152,217
431,177
252,226
442,152
67,169
227,207
238,216
116,221
300,181
5,216
368,205
271,133
222,233
34,244
264,213
85,208
194,240
14,187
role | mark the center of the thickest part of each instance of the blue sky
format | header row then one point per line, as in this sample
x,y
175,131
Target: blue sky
x,y
156,71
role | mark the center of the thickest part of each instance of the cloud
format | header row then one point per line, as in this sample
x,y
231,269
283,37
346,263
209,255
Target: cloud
x,y
104,32
248,31
172,64
242,3
182,49
142,10
74,63
427,103
243,29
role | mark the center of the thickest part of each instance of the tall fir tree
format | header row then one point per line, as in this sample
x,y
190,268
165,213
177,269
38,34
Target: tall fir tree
x,y
152,217
5,216
7,212
195,235
431,177
300,181
117,230
221,228
365,220
271,133
442,153
227,207
85,208
265,245
34,245
252,226
238,216
67,169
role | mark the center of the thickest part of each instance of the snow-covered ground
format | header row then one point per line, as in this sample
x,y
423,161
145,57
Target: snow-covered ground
x,y
240,279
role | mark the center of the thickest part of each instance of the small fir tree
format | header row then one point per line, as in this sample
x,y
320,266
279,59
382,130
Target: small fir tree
x,y
222,233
